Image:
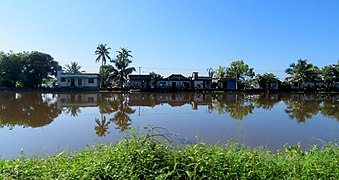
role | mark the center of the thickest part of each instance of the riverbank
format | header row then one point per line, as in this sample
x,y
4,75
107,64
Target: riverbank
x,y
146,158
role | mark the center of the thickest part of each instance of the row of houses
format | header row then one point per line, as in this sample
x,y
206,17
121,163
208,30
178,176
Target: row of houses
x,y
175,82
178,81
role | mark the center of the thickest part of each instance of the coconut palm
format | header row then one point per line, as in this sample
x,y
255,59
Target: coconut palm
x,y
102,53
220,72
73,68
239,71
302,71
121,62
210,72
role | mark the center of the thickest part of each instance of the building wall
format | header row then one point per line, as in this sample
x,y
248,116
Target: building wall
x,y
84,81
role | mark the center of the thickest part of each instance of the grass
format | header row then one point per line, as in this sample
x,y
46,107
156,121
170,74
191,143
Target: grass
x,y
146,157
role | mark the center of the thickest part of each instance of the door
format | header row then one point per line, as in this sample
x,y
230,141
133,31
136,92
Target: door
x,y
174,85
72,82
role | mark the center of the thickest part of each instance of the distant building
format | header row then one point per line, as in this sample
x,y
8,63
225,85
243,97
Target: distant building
x,y
308,84
174,81
200,82
225,83
140,81
83,80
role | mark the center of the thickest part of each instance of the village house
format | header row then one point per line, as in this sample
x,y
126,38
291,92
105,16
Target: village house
x,y
200,82
140,81
174,81
225,83
309,84
83,80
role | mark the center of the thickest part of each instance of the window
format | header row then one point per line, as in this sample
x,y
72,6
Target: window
x,y
79,81
90,80
63,79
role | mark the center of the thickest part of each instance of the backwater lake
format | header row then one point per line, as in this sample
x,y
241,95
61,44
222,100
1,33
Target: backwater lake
x,y
40,124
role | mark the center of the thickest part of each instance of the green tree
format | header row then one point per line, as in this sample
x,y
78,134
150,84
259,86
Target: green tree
x,y
104,72
121,63
302,71
36,67
154,79
102,53
11,68
73,68
329,73
220,72
240,71
262,80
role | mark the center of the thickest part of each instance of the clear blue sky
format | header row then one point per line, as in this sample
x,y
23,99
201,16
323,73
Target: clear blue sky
x,y
176,36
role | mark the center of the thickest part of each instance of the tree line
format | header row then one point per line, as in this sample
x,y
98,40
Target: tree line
x,y
301,71
26,69
31,69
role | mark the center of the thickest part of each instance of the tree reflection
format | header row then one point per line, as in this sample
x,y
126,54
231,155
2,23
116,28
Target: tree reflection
x,y
122,116
265,101
117,104
101,129
27,110
330,108
237,105
302,107
72,110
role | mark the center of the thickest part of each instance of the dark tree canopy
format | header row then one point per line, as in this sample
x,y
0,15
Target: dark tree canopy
x,y
27,69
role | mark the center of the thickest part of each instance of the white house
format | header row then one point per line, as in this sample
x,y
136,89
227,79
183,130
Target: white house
x,y
84,80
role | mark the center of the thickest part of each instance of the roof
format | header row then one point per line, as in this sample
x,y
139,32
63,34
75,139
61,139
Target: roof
x,y
225,80
139,77
80,75
177,77
201,78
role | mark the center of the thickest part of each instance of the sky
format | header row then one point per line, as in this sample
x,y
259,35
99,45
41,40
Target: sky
x,y
176,36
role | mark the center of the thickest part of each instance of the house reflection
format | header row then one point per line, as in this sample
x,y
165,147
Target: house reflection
x,y
37,110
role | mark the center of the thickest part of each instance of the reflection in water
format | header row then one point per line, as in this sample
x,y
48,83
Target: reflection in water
x,y
101,129
27,109
37,110
302,107
236,105
72,110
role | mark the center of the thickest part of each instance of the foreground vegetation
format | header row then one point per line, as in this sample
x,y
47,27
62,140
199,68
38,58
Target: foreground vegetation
x,y
147,158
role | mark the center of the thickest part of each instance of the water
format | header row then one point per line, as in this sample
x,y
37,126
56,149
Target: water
x,y
39,124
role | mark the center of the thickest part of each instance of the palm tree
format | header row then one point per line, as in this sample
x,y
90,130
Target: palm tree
x,y
154,79
239,71
101,129
302,71
102,53
73,68
220,72
121,63
210,72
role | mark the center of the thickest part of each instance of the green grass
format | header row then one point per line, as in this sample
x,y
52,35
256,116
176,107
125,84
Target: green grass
x,y
143,157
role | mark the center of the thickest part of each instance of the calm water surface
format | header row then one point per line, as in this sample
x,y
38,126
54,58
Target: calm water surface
x,y
41,124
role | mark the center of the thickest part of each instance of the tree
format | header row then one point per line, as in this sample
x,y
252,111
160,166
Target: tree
x,y
329,73
73,68
36,67
154,79
121,62
220,72
11,68
104,72
239,71
210,72
302,71
262,80
102,53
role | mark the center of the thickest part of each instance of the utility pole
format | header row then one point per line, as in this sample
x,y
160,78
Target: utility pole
x,y
139,70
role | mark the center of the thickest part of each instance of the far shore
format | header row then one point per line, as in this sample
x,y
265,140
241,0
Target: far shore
x,y
118,90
